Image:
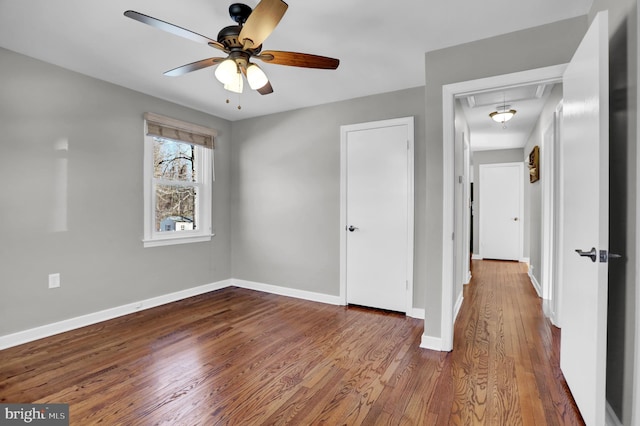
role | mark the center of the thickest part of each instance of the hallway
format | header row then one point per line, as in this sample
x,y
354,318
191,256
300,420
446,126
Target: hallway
x,y
505,362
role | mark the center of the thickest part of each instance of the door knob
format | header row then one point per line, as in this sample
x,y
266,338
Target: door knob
x,y
515,219
592,254
352,228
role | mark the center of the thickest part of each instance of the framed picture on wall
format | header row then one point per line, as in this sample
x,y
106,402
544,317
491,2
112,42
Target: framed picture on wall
x,y
534,164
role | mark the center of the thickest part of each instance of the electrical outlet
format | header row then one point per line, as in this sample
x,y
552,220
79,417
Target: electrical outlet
x,y
54,280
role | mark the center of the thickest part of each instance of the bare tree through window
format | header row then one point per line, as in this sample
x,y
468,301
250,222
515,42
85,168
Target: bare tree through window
x,y
175,189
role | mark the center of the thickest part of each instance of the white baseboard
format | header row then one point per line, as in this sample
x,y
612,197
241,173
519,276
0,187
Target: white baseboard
x,y
469,276
524,260
416,313
290,292
611,419
36,333
26,336
431,343
475,256
535,283
458,305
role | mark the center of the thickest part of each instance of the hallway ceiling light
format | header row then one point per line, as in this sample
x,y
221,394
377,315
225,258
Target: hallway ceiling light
x,y
503,114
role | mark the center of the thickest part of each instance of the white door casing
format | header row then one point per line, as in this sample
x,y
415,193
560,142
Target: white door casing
x,y
546,75
558,213
501,210
585,181
549,158
462,216
377,200
546,246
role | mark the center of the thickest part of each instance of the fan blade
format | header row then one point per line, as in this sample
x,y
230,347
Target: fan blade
x,y
296,59
194,66
266,89
262,21
173,29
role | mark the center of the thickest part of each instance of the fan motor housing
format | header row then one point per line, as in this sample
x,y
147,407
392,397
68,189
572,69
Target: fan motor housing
x,y
239,12
228,36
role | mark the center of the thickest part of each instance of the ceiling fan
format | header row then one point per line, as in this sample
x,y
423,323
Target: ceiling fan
x,y
241,43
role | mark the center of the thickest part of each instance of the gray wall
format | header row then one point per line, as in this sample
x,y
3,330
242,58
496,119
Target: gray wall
x,y
537,47
623,60
286,192
89,226
534,189
495,156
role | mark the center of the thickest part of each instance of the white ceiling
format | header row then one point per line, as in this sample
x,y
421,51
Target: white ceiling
x,y
486,134
381,45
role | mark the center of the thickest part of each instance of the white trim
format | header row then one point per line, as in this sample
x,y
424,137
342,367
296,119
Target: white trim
x,y
611,419
158,242
547,180
26,336
476,256
289,292
456,308
635,397
418,313
15,339
432,343
535,283
557,219
525,260
344,130
203,209
550,74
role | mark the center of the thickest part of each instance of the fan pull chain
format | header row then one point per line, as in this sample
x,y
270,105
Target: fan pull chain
x,y
229,101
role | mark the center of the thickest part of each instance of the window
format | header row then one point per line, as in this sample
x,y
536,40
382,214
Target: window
x,y
178,175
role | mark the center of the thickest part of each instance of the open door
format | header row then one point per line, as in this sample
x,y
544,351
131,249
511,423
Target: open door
x,y
585,221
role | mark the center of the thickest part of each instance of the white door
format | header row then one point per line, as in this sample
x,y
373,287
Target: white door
x,y
378,211
501,205
584,174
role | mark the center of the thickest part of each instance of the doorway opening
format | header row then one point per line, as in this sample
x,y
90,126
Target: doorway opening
x,y
452,228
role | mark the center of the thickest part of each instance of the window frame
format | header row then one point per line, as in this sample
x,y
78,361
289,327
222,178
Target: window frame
x,y
203,214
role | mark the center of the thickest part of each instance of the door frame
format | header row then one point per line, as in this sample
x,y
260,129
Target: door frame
x,y
635,411
344,131
450,92
551,218
482,232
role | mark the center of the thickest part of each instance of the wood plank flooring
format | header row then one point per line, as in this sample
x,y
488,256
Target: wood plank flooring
x,y
241,357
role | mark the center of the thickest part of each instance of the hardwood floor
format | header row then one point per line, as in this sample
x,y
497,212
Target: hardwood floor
x,y
241,357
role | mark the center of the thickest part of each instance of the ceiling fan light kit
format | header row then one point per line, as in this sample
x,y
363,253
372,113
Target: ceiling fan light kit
x,y
256,77
226,72
241,42
235,84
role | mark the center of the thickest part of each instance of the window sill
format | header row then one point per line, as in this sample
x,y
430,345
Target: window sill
x,y
158,242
